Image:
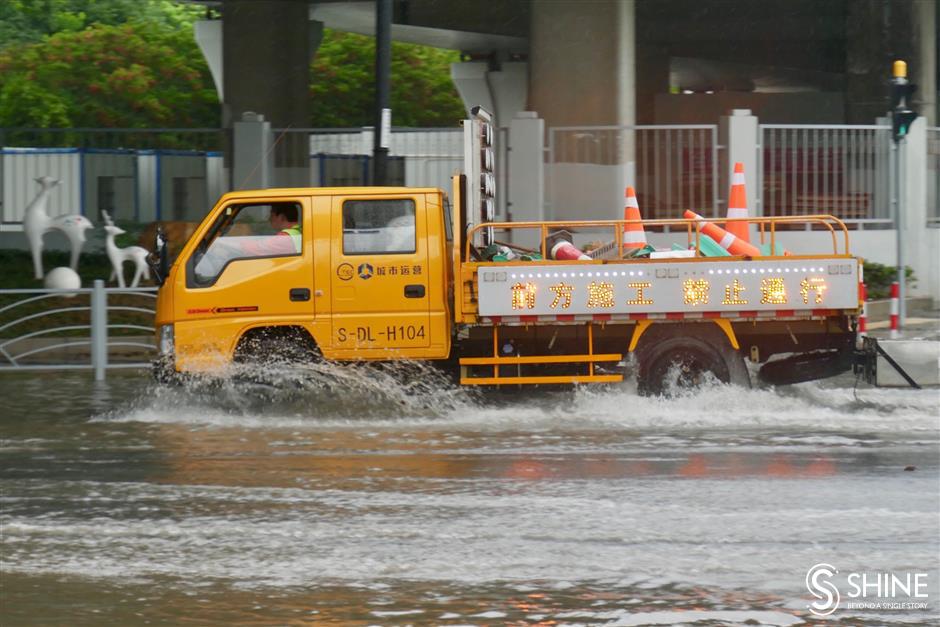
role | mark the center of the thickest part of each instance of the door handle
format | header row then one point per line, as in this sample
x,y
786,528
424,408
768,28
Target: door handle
x,y
299,294
414,291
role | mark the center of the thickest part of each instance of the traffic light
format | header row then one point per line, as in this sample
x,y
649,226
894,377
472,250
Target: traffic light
x,y
901,123
902,116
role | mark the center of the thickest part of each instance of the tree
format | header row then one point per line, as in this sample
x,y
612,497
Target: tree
x,y
137,75
342,85
134,63
29,21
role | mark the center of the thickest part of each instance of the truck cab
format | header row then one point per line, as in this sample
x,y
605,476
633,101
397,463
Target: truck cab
x,y
369,279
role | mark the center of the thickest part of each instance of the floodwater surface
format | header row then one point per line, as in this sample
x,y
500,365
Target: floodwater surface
x,y
381,500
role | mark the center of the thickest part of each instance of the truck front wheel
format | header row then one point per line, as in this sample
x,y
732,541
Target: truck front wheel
x,y
681,361
276,345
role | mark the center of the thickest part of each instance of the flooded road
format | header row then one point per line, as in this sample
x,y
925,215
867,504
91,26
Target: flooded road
x,y
369,502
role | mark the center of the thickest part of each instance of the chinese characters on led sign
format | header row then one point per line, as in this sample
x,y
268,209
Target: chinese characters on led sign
x,y
601,294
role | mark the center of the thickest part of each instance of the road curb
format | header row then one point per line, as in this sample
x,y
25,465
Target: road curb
x,y
879,310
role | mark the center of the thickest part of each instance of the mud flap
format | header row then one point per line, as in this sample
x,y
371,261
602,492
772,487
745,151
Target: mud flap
x,y
806,367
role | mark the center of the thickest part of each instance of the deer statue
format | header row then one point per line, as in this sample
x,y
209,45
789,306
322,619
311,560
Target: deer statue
x,y
37,222
119,255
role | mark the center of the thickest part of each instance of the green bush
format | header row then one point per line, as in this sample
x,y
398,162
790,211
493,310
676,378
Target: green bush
x,y
16,268
879,277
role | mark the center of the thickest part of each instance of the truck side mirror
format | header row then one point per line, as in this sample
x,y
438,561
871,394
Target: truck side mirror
x,y
158,260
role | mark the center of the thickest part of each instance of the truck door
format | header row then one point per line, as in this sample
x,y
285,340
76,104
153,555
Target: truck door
x,y
244,272
380,281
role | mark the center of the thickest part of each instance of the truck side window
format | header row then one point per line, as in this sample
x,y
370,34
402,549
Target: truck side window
x,y
245,232
379,226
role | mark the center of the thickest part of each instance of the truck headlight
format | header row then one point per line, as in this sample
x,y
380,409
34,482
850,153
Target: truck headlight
x,y
166,339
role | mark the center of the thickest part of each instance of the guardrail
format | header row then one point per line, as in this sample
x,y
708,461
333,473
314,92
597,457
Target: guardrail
x,y
767,229
93,328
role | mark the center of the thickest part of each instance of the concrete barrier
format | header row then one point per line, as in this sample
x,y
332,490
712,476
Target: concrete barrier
x,y
879,310
920,359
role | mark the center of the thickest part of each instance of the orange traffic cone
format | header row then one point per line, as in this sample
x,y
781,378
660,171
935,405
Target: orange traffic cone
x,y
634,236
728,241
737,205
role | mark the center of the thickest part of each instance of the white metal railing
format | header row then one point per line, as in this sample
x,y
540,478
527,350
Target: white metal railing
x,y
933,176
51,329
672,167
838,170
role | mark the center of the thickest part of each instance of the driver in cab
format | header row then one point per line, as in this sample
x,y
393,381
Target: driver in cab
x,y
286,240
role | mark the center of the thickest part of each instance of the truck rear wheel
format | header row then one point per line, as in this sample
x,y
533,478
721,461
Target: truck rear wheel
x,y
686,359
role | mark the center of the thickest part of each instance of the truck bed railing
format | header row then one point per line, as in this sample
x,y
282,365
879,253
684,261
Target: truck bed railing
x,y
766,226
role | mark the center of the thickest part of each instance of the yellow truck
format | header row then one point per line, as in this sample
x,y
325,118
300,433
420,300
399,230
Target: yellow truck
x,y
407,274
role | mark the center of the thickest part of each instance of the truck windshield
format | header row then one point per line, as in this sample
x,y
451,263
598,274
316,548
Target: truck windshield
x,y
246,232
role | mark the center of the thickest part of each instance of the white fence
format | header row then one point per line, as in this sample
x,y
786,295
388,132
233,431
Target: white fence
x,y
673,168
842,171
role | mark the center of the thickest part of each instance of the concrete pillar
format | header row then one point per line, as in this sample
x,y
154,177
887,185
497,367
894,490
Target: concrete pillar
x,y
573,78
267,48
508,89
526,193
501,91
626,62
577,80
626,96
208,35
252,152
470,80
267,60
913,190
925,72
738,133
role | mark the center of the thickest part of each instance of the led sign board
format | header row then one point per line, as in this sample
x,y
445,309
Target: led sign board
x,y
514,290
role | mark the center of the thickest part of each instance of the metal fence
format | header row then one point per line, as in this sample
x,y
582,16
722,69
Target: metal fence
x,y
137,175
933,177
839,170
149,174
418,157
89,328
673,168
177,174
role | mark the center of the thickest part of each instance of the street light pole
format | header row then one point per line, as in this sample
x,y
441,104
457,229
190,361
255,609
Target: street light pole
x,y
383,70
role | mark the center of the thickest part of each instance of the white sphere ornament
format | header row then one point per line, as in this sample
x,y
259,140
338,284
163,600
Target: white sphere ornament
x,y
63,278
